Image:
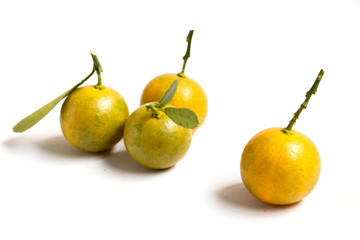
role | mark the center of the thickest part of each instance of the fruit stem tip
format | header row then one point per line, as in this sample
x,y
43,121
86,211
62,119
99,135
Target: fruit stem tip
x,y
97,64
187,54
98,68
312,91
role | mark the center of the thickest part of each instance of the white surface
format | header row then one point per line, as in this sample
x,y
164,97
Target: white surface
x,y
255,60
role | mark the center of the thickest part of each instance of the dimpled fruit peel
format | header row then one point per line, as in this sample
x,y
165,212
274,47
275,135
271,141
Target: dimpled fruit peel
x,y
280,165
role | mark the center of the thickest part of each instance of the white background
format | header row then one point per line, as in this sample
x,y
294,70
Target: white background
x,y
255,60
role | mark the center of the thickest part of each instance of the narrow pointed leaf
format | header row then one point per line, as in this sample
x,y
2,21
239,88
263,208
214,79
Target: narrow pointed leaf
x,y
36,116
182,116
169,94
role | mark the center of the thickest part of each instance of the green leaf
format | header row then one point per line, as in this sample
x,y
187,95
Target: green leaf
x,y
36,116
182,116
169,94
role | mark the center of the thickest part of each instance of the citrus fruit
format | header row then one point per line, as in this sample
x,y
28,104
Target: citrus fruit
x,y
188,95
280,165
35,117
280,168
155,141
93,119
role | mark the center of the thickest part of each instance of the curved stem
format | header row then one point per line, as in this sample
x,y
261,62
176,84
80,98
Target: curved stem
x,y
98,68
312,91
85,79
187,54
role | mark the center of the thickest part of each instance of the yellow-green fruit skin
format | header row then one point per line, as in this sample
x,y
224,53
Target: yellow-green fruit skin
x,y
93,119
156,143
280,168
189,94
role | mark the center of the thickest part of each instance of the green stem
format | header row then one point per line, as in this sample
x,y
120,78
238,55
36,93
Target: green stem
x,y
99,83
187,54
312,91
96,62
98,68
155,111
88,76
